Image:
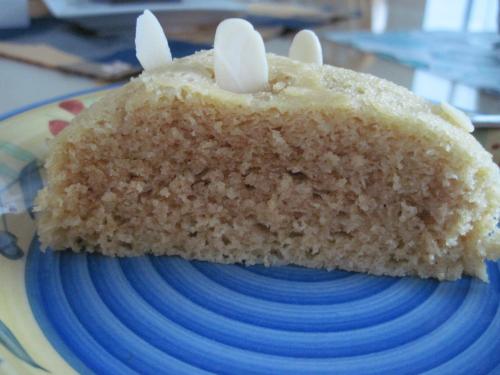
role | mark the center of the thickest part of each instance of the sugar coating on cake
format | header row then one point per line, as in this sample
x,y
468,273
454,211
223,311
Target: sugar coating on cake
x,y
325,167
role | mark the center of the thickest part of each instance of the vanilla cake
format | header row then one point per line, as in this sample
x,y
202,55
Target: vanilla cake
x,y
324,168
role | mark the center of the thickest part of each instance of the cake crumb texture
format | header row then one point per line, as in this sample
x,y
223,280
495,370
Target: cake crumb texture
x,y
325,168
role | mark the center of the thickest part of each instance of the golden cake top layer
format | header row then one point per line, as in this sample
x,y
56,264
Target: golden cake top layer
x,y
298,87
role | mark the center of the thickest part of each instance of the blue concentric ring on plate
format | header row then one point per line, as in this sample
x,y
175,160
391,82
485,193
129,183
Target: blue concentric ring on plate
x,y
164,315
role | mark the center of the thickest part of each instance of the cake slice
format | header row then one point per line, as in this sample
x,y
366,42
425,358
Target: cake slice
x,y
324,167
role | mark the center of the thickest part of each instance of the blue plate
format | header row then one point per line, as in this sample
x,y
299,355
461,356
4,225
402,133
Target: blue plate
x,y
62,312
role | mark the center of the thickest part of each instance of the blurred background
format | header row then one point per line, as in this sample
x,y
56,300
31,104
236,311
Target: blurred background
x,y
441,49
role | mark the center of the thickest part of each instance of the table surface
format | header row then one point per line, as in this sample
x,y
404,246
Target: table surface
x,y
23,84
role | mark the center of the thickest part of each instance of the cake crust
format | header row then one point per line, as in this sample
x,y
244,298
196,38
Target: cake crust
x,y
325,168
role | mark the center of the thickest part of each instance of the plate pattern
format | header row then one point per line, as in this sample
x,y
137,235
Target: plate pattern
x,y
65,312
